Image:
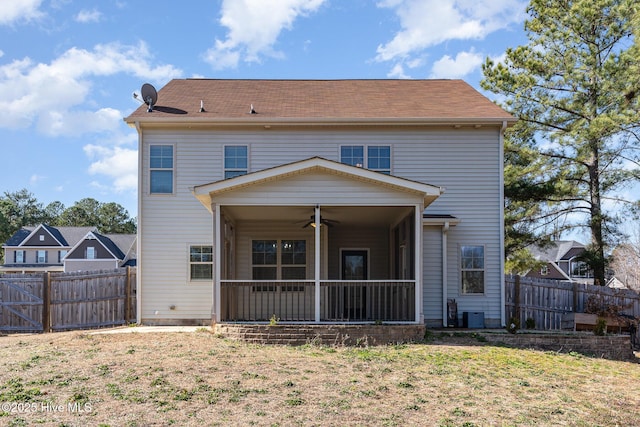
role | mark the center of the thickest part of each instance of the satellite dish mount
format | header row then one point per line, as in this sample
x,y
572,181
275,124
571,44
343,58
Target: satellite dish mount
x,y
149,96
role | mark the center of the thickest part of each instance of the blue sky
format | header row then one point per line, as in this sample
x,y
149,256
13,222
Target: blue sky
x,y
68,68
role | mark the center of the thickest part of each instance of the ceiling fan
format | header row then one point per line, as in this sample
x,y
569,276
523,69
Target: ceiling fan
x,y
323,221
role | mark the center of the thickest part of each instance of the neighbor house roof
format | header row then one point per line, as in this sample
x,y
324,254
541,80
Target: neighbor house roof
x,y
426,101
557,250
66,236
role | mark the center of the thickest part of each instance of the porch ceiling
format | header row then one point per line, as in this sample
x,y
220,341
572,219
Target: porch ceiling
x,y
300,215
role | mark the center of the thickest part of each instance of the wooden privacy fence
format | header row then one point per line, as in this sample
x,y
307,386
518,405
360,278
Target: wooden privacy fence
x,y
546,301
65,301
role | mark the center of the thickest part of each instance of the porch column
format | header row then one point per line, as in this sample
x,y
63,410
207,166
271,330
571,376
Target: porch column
x,y
217,233
317,264
419,232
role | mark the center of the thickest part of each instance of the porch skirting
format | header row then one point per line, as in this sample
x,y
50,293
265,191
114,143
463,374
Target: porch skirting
x,y
349,335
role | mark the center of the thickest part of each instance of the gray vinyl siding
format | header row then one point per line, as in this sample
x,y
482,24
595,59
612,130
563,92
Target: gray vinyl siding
x,y
432,275
465,161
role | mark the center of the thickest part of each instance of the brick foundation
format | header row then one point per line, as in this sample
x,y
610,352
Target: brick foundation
x,y
322,334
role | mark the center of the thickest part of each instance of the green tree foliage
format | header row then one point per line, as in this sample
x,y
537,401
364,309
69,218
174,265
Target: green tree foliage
x,y
575,88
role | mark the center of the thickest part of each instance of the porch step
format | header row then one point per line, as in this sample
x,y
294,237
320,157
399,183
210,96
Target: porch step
x,y
321,334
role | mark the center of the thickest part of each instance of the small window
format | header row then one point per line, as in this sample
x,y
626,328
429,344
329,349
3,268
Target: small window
x,y
352,155
19,257
235,161
472,269
41,257
41,237
544,270
61,254
161,169
91,252
201,262
379,158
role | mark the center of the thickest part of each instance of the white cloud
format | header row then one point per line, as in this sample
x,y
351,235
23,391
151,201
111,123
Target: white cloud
x,y
54,95
426,23
86,16
15,10
397,72
454,68
118,163
1,53
254,27
34,179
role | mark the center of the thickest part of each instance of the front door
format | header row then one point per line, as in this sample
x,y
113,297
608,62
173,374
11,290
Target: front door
x,y
355,267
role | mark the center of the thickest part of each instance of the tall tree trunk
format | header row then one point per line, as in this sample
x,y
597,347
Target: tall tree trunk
x,y
595,222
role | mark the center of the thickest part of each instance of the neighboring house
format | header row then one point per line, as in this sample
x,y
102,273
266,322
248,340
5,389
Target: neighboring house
x,y
319,201
101,252
562,262
45,248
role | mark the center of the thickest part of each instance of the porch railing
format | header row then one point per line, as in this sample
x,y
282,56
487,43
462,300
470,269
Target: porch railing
x,y
340,301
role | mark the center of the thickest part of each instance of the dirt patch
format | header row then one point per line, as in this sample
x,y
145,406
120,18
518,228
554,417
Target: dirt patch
x,y
197,378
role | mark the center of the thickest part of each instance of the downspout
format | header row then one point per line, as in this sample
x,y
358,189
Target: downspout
x,y
502,285
445,308
138,228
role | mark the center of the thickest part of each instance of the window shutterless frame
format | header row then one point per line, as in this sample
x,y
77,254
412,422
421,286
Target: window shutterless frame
x,y
236,160
472,269
161,168
373,157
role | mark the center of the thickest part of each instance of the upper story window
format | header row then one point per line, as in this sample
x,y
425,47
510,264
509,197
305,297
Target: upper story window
x,y
19,257
544,270
235,160
161,169
472,269
41,237
41,257
377,158
61,254
91,252
580,269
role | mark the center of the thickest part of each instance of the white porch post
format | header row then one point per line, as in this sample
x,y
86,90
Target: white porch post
x,y
217,233
317,264
418,236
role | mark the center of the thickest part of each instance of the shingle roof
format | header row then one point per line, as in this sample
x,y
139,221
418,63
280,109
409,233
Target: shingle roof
x,y
556,250
428,100
19,236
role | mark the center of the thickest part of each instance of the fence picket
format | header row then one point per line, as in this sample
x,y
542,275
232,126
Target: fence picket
x,y
78,300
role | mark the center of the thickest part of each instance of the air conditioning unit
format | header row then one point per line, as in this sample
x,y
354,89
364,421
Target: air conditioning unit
x,y
473,319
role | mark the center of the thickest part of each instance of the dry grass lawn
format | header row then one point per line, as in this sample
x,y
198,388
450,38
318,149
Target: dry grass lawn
x,y
194,379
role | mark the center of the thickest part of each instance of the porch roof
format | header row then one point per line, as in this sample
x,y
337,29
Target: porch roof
x,y
206,192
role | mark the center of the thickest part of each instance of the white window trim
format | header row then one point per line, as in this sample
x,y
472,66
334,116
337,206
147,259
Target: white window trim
x,y
173,171
94,252
365,155
24,256
483,269
224,168
46,256
189,263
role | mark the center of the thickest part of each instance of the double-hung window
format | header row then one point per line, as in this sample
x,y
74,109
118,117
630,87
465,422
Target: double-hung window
x,y
91,252
19,257
373,157
235,160
161,169
472,269
279,260
201,262
41,257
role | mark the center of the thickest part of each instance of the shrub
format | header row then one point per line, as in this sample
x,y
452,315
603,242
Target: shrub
x,y
601,326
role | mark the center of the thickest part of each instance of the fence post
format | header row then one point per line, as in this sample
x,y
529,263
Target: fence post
x,y
516,297
127,296
46,302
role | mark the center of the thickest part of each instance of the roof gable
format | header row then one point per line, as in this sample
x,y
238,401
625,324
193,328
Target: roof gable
x,y
44,235
112,248
420,101
206,192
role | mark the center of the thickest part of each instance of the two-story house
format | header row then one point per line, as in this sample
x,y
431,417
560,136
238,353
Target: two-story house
x,y
562,261
45,248
319,201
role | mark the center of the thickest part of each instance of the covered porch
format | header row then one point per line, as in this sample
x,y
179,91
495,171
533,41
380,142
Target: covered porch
x,y
317,242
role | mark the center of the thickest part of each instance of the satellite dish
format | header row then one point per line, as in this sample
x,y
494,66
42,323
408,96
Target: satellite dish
x,y
149,96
